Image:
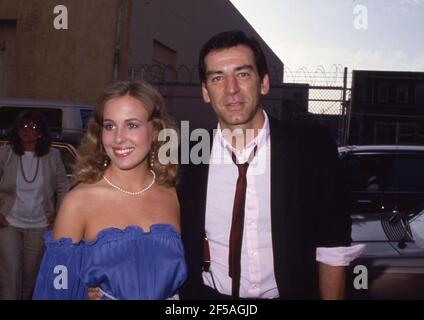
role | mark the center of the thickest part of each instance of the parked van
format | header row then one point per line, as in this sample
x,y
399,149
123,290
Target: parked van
x,y
67,120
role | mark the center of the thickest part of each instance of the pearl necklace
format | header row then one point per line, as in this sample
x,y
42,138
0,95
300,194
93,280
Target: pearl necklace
x,y
129,192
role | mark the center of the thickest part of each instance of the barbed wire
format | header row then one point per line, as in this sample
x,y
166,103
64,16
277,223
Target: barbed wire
x,y
325,86
183,74
334,76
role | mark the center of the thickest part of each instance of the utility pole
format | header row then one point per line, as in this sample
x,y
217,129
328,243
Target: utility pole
x,y
343,122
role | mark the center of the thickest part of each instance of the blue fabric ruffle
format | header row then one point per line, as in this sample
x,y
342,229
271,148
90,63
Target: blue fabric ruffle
x,y
125,263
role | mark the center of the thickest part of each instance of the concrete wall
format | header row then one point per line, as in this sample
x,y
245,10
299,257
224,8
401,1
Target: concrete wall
x,y
184,26
77,63
71,64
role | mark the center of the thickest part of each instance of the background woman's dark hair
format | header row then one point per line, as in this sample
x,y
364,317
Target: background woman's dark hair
x,y
44,141
229,39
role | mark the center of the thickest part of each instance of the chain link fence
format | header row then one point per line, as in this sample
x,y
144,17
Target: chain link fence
x,y
320,96
165,74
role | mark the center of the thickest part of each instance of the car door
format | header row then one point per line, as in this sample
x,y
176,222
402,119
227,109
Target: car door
x,y
364,177
393,257
68,155
404,187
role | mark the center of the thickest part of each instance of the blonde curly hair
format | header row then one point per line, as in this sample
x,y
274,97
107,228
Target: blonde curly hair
x,y
91,156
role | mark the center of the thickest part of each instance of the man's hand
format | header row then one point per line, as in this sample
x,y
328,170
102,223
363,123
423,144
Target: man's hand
x,y
94,294
3,221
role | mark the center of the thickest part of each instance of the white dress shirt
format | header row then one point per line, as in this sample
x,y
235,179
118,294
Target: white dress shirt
x,y
257,266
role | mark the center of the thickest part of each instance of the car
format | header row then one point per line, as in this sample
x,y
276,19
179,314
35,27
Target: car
x,y
66,120
68,154
386,203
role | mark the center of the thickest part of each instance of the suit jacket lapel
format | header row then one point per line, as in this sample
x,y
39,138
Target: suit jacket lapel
x,y
197,183
281,155
202,174
203,179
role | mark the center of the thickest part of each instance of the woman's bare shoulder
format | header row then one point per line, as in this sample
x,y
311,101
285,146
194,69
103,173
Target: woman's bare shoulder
x,y
167,206
166,195
72,215
83,195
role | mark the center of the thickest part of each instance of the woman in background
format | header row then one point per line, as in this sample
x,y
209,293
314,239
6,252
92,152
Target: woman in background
x,y
33,182
118,229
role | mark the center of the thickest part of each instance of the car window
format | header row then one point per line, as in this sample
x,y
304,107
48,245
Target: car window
x,y
409,175
364,173
53,116
86,115
385,172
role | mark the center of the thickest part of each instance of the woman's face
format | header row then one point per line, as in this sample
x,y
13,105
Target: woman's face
x,y
28,131
127,134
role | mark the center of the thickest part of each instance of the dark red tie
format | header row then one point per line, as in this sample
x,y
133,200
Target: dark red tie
x,y
236,234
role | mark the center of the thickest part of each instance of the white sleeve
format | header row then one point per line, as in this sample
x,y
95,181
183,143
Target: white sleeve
x,y
339,256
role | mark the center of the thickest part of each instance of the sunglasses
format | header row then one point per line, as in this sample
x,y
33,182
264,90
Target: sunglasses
x,y
28,125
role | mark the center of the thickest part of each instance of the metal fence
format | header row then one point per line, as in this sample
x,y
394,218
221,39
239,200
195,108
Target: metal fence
x,y
330,105
165,74
329,96
320,96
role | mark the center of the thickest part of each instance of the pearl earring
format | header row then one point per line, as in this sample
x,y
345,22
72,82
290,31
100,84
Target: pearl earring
x,y
152,159
105,162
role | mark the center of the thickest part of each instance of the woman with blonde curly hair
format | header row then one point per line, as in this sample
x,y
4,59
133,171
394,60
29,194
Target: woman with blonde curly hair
x,y
118,229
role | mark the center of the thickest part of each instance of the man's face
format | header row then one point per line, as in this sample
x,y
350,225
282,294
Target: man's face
x,y
233,87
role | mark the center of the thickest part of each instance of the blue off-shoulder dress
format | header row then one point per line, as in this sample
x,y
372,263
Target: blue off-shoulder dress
x,y
124,264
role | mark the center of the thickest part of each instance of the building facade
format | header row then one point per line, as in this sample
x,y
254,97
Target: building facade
x,y
387,107
104,40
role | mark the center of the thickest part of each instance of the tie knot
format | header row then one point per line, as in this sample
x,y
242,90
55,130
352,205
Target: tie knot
x,y
242,167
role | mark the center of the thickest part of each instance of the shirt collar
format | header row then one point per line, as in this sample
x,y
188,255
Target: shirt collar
x,y
259,141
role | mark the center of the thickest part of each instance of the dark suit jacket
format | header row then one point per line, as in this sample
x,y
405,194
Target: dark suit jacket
x,y
308,198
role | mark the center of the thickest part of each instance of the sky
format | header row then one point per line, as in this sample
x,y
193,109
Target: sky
x,y
358,34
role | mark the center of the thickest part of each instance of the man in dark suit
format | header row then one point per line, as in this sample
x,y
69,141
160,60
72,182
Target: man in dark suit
x,y
292,240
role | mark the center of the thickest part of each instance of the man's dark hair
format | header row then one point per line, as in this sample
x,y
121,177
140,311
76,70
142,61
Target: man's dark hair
x,y
44,141
230,39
